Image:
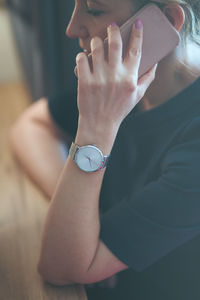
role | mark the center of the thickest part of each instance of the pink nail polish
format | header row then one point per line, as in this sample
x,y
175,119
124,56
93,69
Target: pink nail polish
x,y
113,24
138,24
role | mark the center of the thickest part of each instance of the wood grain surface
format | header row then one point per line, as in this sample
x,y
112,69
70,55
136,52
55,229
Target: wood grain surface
x,y
22,213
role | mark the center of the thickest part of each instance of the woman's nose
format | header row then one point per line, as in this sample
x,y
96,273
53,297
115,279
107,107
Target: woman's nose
x,y
76,27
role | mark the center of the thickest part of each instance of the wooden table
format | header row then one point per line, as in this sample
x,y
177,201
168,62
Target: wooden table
x,y
22,213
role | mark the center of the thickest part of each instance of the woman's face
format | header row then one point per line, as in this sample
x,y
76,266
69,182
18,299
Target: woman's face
x,y
91,17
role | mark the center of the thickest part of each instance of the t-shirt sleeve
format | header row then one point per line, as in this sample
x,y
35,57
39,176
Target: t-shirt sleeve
x,y
64,111
165,214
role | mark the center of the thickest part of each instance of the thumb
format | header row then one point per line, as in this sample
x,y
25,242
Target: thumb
x,y
145,80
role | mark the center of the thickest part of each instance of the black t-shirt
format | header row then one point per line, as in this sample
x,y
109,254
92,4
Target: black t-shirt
x,y
150,196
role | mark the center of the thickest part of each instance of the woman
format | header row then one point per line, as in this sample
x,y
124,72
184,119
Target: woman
x,y
138,217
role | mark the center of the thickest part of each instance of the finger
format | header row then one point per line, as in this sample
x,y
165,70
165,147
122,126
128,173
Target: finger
x,y
83,69
145,80
97,51
114,45
134,52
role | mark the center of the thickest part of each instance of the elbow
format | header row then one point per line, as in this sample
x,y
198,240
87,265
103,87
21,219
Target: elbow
x,y
53,274
51,277
57,275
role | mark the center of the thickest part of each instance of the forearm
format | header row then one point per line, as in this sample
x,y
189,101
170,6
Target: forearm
x,y
40,153
71,233
105,97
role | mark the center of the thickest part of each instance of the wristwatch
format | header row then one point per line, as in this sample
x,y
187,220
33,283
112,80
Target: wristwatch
x,y
88,158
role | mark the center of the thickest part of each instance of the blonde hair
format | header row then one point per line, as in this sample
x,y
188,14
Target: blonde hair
x,y
191,27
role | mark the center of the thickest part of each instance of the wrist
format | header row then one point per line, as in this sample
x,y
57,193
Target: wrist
x,y
103,136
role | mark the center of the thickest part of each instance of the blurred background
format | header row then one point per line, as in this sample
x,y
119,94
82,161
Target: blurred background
x,y
36,60
34,47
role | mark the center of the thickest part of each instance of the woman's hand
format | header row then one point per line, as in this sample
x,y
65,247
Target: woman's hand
x,y
108,93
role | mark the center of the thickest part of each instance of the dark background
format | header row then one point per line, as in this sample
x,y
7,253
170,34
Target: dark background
x,y
46,54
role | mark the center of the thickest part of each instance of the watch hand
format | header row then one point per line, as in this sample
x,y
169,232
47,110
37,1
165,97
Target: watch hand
x,y
89,160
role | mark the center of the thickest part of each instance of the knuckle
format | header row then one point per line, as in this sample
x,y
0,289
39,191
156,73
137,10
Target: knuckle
x,y
112,84
137,34
97,50
114,81
96,85
134,52
115,45
129,85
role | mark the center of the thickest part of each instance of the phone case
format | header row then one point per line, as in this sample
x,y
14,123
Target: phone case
x,y
159,36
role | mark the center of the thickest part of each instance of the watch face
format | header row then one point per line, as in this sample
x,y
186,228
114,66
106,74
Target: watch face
x,y
89,158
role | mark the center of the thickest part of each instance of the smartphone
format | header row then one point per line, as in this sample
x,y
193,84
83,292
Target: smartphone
x,y
159,37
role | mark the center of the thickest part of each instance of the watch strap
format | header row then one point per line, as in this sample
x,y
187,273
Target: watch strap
x,y
105,162
73,149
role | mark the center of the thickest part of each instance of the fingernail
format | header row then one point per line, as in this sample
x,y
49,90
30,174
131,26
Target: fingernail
x,y
113,24
138,24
